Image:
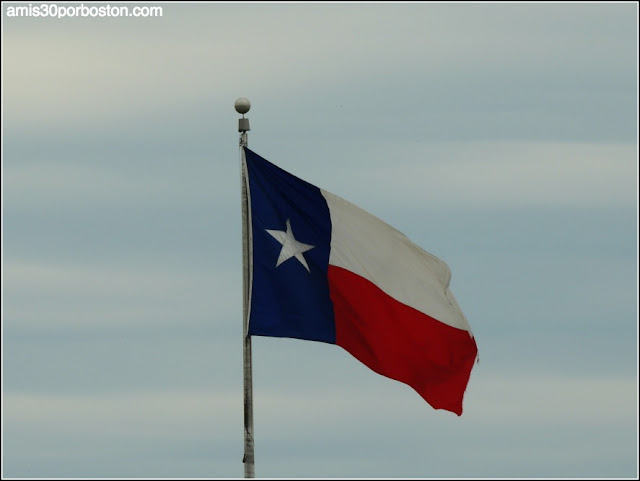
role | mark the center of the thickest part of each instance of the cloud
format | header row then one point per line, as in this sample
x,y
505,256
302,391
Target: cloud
x,y
152,433
531,398
518,399
330,427
69,185
464,174
136,416
473,175
89,295
124,70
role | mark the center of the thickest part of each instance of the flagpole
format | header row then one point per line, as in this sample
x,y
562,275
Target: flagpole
x,y
242,106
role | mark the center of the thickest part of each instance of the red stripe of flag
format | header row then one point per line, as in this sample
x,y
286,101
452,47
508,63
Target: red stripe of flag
x,y
401,343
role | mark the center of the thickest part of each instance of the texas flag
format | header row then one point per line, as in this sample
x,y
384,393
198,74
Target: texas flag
x,y
322,269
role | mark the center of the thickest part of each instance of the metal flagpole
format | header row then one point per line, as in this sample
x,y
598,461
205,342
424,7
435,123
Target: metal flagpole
x,y
242,106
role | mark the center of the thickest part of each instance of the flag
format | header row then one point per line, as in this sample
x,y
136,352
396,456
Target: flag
x,y
322,269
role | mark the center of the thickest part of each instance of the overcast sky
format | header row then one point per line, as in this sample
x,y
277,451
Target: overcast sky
x,y
502,138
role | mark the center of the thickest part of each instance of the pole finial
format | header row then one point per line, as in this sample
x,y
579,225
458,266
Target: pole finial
x,y
242,105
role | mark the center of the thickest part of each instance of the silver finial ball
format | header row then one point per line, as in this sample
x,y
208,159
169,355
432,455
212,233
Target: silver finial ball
x,y
242,105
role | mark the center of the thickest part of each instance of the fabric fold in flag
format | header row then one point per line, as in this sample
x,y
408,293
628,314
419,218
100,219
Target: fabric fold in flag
x,y
322,269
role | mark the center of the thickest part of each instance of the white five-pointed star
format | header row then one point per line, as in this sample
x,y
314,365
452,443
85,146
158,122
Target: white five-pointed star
x,y
290,246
